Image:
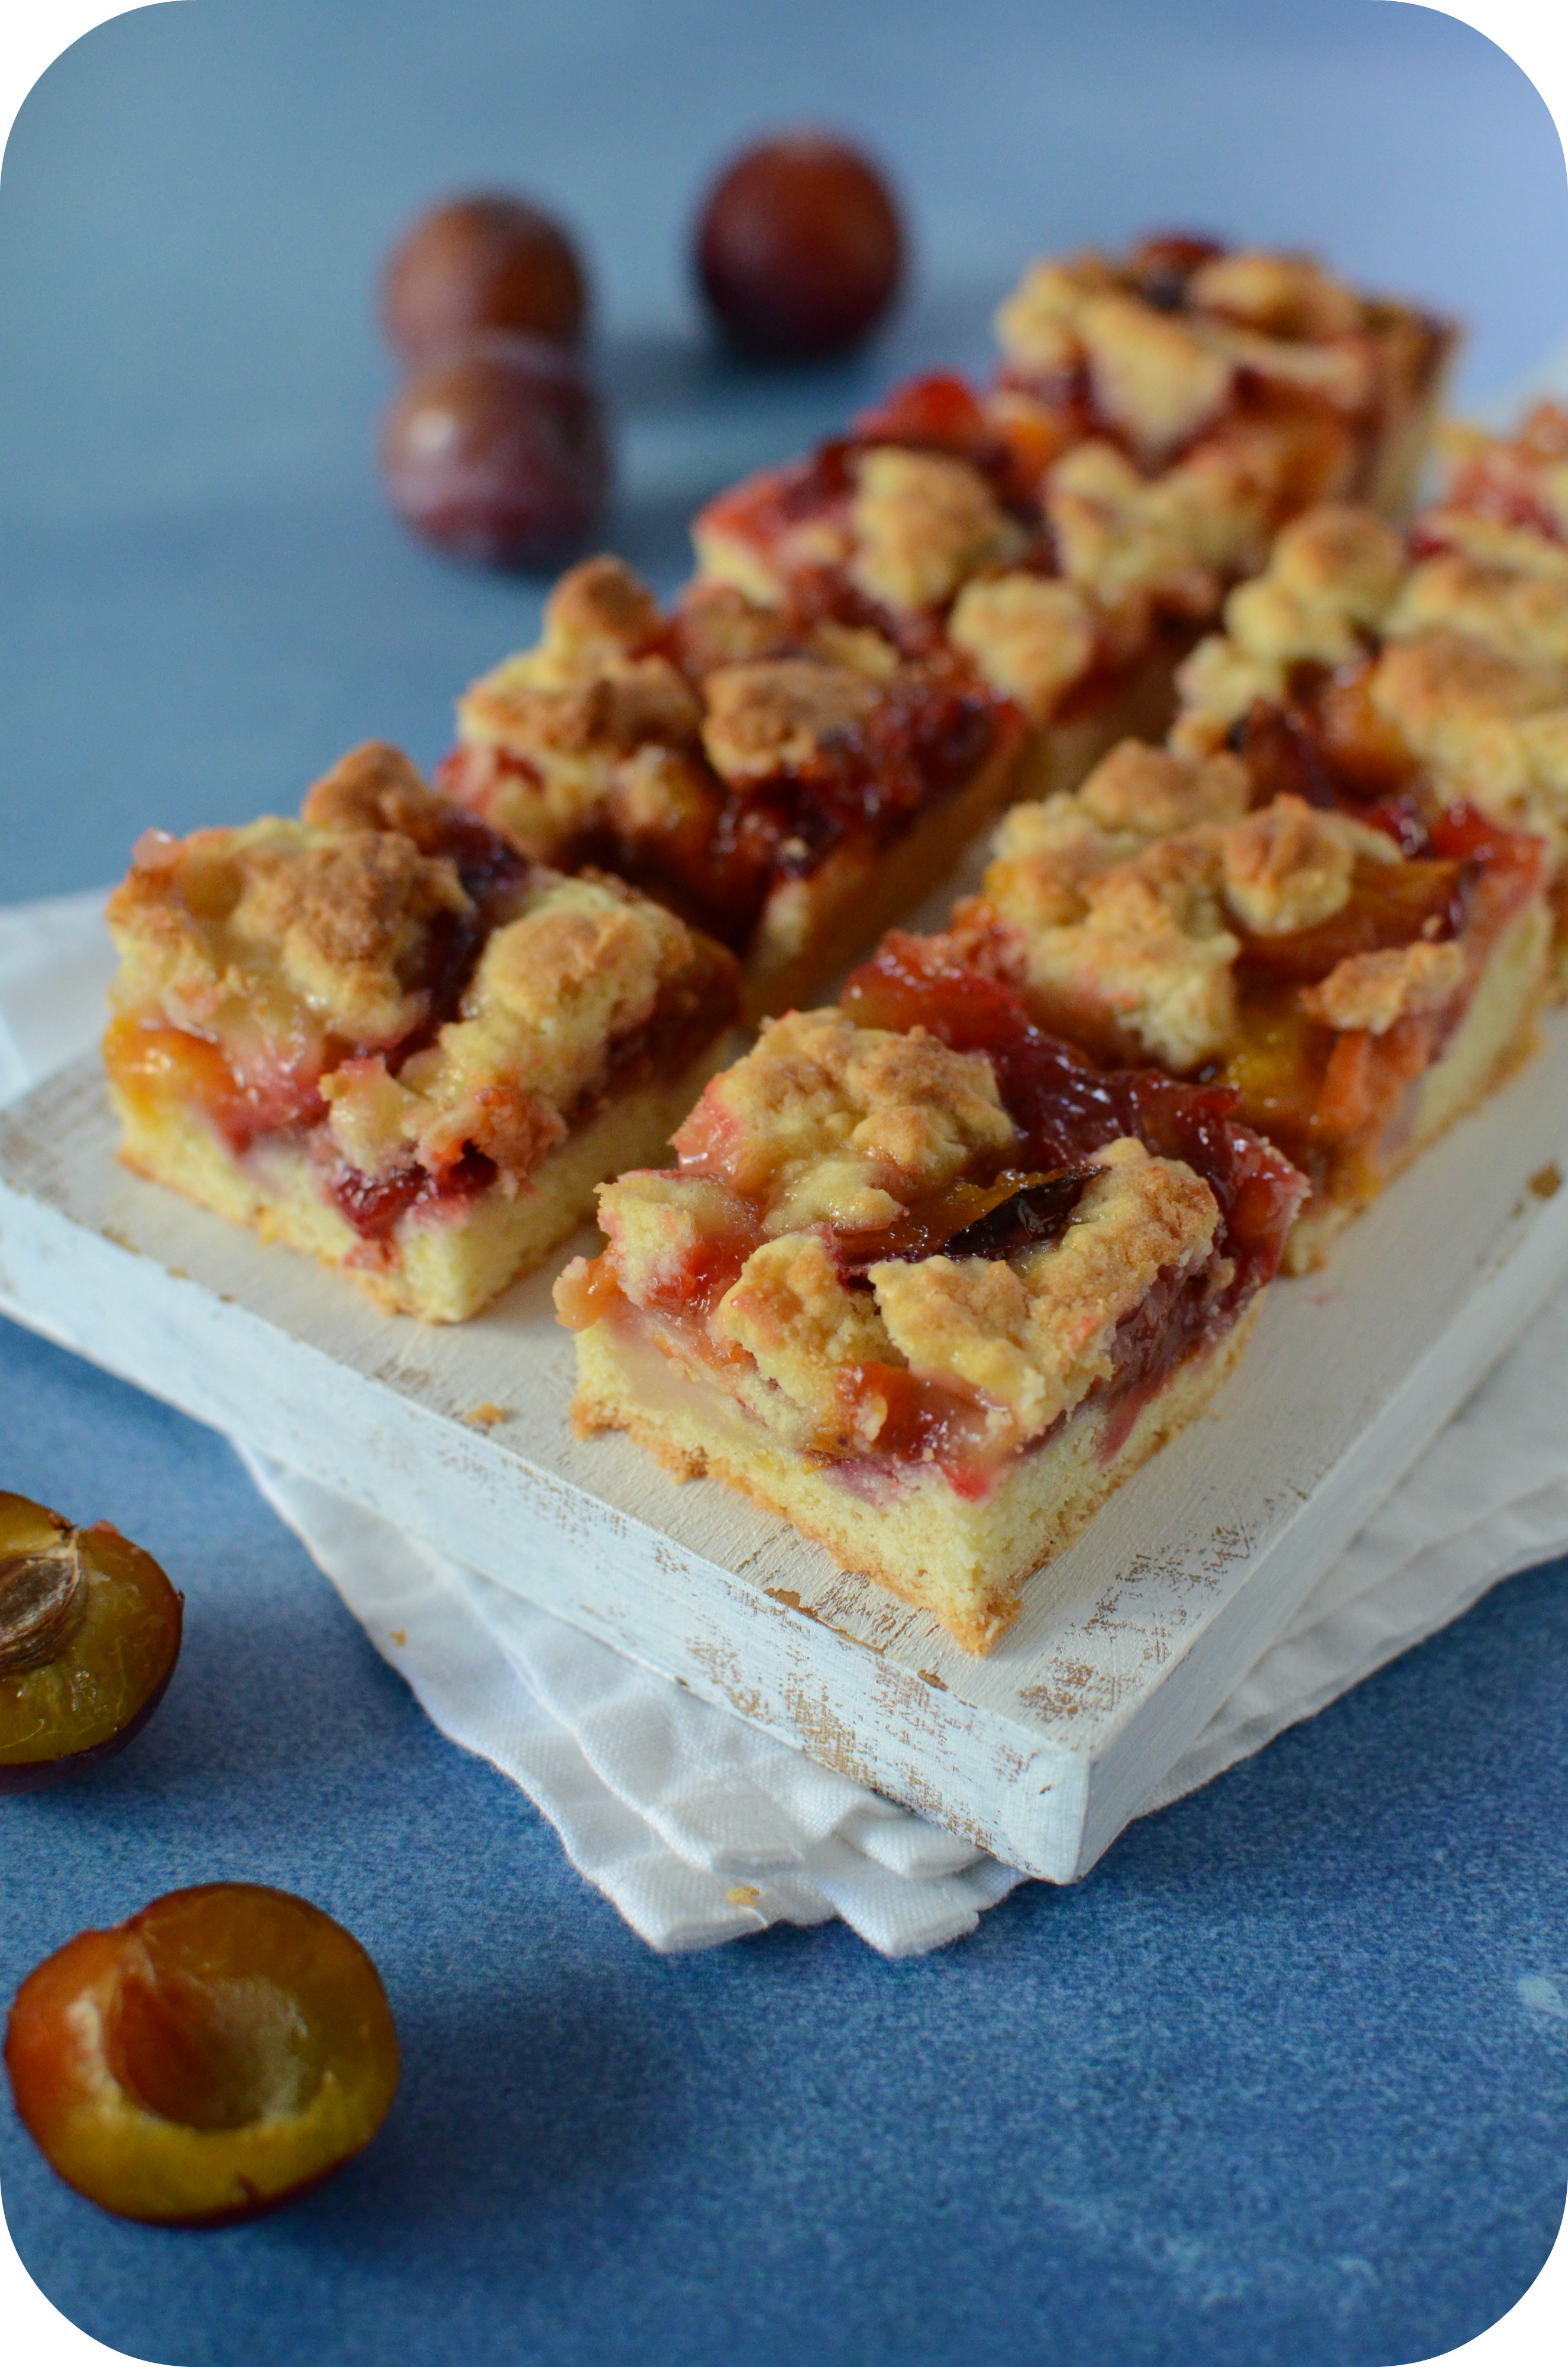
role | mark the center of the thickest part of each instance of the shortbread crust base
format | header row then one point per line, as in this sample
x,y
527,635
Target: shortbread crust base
x,y
442,1269
1496,1035
965,1563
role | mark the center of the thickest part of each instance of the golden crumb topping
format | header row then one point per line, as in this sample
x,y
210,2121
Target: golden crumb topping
x,y
1485,727
600,607
1520,616
1492,542
283,926
1037,325
1030,637
1281,295
1331,576
826,1122
922,522
582,968
1160,376
311,955
1153,791
1372,990
1125,931
798,1321
1123,538
544,704
1035,1335
569,710
1289,866
1153,375
656,1222
375,786
777,714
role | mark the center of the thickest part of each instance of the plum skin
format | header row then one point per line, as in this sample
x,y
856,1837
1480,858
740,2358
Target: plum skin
x,y
495,453
800,248
213,2057
479,262
98,1691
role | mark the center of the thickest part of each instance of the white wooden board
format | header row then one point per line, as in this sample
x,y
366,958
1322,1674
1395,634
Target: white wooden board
x,y
1126,1646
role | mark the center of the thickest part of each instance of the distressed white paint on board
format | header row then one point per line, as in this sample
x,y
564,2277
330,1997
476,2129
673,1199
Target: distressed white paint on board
x,y
1126,1646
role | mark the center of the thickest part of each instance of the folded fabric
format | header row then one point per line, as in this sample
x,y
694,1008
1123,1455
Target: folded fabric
x,y
700,1829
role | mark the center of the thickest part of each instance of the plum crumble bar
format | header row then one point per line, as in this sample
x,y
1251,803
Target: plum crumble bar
x,y
789,786
926,1284
1359,973
381,1035
1156,419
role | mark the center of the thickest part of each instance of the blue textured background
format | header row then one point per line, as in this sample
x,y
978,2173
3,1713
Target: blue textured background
x,y
1286,2079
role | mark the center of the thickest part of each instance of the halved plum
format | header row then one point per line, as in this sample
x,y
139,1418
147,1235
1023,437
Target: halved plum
x,y
216,2055
89,1633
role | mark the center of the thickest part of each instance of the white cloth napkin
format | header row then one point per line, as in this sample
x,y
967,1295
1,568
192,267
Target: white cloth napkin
x,y
694,1824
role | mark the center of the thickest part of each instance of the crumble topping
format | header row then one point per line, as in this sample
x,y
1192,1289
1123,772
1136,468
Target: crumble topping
x,y
1123,930
719,625
776,714
1517,481
582,967
1333,574
1372,990
1036,326
1151,956
1123,538
1289,865
1034,1334
1153,791
1152,375
1521,617
922,522
279,915
826,1122
656,1222
316,951
601,608
573,706
1282,295
375,786
1030,637
1492,542
798,1321
1487,727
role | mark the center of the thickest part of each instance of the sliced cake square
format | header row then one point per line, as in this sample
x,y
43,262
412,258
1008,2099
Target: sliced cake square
x,y
929,1289
381,1035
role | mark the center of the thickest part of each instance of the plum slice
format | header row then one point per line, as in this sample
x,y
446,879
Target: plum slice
x,y
90,1634
211,2058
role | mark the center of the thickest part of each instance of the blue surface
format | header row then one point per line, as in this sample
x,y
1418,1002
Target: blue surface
x,y
1286,2079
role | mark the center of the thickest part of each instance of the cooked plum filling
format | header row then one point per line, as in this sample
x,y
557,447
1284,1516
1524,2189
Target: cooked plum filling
x,y
918,1231
713,756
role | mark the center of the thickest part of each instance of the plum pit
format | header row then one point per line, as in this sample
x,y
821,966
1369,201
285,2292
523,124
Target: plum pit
x,y
90,1632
